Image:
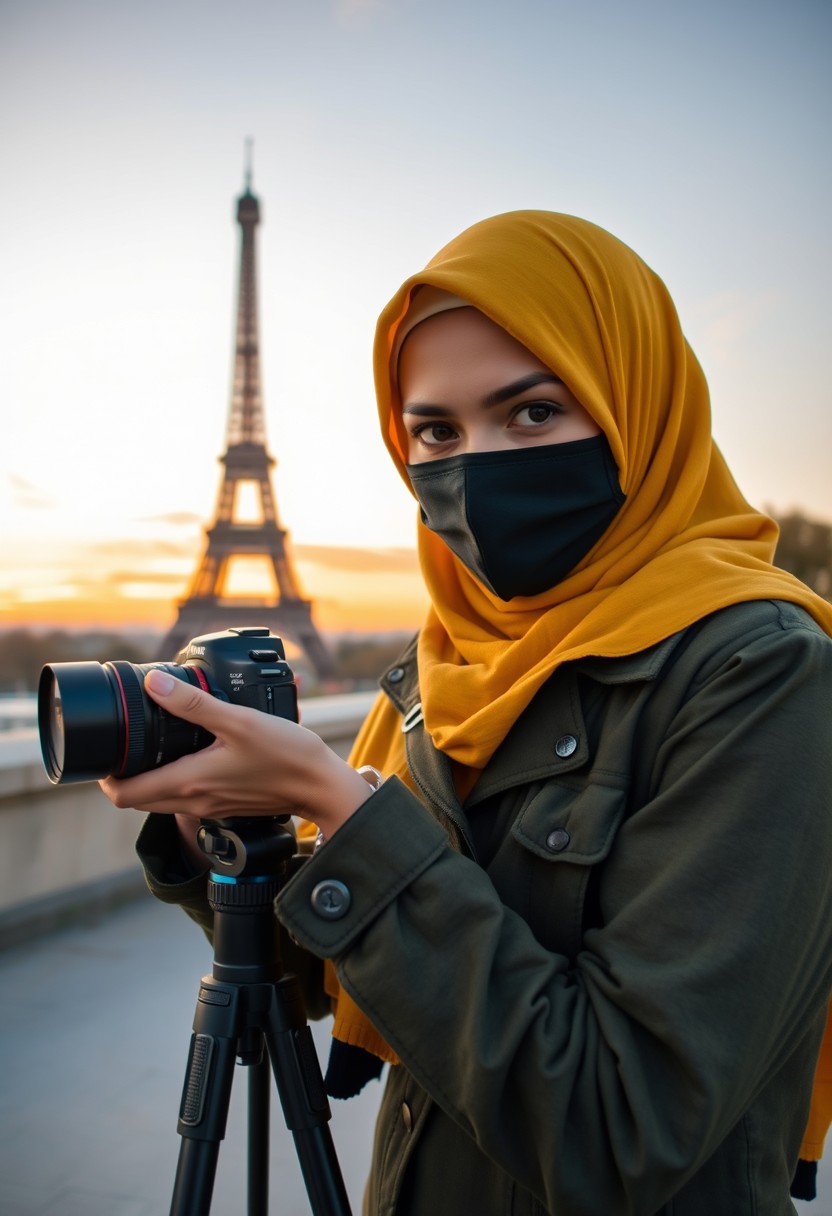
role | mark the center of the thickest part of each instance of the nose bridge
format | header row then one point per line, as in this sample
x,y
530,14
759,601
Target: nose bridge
x,y
484,434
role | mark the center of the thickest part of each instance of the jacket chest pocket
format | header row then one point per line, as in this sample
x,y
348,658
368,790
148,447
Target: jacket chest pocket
x,y
547,869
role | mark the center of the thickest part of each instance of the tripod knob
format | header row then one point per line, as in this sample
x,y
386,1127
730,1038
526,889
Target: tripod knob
x,y
241,894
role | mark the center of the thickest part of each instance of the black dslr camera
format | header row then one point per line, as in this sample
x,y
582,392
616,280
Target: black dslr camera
x,y
95,719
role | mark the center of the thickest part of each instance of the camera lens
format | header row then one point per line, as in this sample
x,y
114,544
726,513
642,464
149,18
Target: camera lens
x,y
55,733
96,720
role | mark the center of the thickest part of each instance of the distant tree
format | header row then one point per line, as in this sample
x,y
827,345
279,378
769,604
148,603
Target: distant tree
x,y
23,653
361,661
805,549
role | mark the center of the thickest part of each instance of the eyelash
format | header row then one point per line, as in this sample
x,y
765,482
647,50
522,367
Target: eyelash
x,y
553,407
417,432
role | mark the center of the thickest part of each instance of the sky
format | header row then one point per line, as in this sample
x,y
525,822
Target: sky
x,y
696,132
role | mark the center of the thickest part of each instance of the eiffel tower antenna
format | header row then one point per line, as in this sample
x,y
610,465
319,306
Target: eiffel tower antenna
x,y
205,608
249,164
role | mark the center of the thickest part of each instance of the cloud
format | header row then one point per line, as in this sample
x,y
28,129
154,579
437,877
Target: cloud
x,y
359,561
150,578
176,519
28,496
727,319
144,550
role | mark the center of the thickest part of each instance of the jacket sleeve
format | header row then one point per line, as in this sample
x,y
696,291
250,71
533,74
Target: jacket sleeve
x,y
604,1085
168,875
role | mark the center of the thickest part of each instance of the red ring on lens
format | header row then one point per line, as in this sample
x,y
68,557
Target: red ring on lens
x,y
125,715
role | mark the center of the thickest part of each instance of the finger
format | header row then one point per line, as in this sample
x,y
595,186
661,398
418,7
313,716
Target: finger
x,y
185,701
170,784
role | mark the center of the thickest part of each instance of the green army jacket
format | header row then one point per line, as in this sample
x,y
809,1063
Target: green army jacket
x,y
607,973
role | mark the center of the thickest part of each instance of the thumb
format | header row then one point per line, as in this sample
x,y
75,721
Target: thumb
x,y
184,700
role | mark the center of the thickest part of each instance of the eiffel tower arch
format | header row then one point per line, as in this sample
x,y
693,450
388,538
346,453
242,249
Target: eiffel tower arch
x,y
246,462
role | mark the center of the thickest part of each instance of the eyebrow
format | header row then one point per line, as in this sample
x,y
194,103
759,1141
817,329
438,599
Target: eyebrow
x,y
496,397
517,387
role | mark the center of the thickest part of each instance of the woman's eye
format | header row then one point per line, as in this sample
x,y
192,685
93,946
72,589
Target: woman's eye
x,y
536,413
434,433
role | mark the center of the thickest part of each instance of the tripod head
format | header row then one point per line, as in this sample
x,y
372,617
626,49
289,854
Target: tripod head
x,y
247,846
252,859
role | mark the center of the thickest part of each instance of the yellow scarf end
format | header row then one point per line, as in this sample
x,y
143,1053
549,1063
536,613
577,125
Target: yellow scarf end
x,y
362,1034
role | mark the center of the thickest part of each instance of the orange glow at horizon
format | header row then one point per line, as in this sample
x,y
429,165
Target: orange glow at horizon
x,y
351,591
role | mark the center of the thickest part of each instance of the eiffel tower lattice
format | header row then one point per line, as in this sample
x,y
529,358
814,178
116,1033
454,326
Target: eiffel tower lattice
x,y
205,609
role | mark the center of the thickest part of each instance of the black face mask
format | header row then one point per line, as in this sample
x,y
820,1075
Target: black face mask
x,y
521,519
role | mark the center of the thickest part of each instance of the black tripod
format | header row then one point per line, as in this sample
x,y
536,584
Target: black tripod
x,y
246,1004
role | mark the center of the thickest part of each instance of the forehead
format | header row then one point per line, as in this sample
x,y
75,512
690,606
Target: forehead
x,y
456,346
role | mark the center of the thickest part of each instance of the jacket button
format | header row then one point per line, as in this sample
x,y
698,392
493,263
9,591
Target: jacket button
x,y
331,899
407,1117
566,745
396,675
558,840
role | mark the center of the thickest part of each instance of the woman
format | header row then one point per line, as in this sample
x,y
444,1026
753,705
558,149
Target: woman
x,y
587,915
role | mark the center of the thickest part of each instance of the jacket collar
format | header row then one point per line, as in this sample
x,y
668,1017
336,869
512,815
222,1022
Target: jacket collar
x,y
549,738
630,668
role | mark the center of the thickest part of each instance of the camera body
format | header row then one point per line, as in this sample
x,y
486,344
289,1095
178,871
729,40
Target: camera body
x,y
244,666
95,719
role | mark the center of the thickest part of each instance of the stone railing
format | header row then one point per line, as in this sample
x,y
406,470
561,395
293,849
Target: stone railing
x,y
68,853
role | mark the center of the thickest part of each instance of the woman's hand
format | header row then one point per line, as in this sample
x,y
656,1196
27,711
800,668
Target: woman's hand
x,y
257,765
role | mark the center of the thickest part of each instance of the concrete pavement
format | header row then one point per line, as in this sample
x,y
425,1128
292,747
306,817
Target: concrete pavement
x,y
95,1023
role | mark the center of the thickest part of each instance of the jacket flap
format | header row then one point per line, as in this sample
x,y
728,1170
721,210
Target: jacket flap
x,y
560,823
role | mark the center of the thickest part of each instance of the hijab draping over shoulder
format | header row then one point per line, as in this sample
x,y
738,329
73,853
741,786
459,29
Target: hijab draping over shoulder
x,y
685,542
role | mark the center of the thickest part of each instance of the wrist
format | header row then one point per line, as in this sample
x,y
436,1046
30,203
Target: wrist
x,y
372,779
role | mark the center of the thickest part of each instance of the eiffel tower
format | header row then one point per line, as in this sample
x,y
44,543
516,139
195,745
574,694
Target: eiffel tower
x,y
247,461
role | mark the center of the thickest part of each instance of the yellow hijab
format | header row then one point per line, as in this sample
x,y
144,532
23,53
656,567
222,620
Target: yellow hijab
x,y
684,544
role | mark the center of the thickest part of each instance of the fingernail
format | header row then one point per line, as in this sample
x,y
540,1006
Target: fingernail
x,y
160,682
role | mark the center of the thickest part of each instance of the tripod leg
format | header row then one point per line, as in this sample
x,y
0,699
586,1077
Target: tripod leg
x,y
205,1096
302,1095
247,1000
259,1083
